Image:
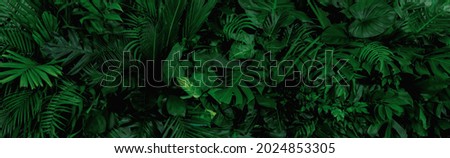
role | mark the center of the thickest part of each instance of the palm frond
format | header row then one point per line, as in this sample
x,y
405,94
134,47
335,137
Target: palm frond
x,y
150,40
197,12
170,19
68,101
45,28
16,38
69,51
22,12
31,73
146,36
18,110
149,8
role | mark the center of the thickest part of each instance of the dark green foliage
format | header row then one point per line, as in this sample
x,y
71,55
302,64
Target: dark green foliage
x,y
78,68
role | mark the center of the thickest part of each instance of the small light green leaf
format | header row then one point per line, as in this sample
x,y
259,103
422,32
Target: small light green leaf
x,y
189,87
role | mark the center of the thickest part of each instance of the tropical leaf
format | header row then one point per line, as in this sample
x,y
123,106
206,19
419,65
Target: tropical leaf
x,y
379,55
372,18
234,28
30,72
176,106
335,34
424,17
46,28
173,66
210,68
53,119
275,22
17,39
22,12
95,123
321,15
259,10
192,89
69,51
18,111
97,12
197,124
197,12
337,3
171,17
439,63
241,51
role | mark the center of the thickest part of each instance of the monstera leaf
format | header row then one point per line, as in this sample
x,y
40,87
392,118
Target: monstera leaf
x,y
372,18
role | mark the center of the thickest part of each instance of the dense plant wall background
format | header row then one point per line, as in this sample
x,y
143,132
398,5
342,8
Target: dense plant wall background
x,y
57,54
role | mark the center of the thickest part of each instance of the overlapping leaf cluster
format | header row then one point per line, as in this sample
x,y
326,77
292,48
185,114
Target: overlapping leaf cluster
x,y
77,68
